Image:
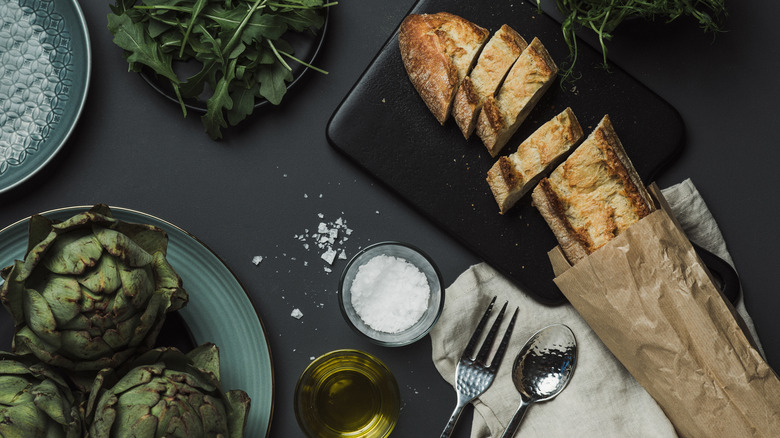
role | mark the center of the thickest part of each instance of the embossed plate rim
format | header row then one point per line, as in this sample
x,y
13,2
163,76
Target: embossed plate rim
x,y
79,25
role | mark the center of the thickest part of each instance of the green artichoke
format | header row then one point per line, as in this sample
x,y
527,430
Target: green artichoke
x,y
91,291
167,394
34,401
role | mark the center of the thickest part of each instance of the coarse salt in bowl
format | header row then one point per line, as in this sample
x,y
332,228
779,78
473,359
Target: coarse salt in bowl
x,y
391,292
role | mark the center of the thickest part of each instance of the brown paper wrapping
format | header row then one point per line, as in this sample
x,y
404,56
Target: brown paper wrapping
x,y
652,302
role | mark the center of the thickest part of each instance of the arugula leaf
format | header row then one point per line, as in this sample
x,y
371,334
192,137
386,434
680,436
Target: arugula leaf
x,y
273,84
243,103
132,37
214,118
196,9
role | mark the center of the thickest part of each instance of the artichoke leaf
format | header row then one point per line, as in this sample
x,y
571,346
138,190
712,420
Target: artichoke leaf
x,y
81,220
123,334
149,237
12,387
83,346
34,256
167,280
11,293
104,278
129,424
40,318
239,410
215,419
49,399
73,253
38,230
206,358
121,246
22,420
63,297
137,287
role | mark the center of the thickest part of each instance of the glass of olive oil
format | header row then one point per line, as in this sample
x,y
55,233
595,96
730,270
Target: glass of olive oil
x,y
347,393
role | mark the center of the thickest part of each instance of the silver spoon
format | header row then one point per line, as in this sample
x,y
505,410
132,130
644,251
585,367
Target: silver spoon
x,y
542,369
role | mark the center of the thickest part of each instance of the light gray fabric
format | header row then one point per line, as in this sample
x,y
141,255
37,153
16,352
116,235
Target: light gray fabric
x,y
602,399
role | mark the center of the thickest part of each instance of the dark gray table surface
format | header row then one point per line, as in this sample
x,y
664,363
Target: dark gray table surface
x,y
270,179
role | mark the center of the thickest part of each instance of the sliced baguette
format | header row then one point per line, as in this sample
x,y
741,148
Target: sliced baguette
x,y
438,50
593,196
526,82
513,176
498,56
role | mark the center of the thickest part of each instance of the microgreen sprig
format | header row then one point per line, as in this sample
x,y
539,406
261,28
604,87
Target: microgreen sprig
x,y
603,16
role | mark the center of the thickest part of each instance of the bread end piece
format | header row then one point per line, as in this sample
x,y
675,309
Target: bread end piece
x,y
438,50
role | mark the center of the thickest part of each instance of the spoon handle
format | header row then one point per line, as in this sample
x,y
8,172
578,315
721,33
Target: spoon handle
x,y
453,419
516,420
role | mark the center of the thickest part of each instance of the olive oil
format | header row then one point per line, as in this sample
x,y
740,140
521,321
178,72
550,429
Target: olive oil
x,y
347,401
347,393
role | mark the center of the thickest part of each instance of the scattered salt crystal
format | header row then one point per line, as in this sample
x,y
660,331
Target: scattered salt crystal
x,y
343,255
390,294
329,256
320,215
327,269
296,313
322,228
257,259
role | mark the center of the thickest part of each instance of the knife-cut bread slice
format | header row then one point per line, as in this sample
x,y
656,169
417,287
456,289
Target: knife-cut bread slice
x,y
495,60
593,196
438,51
513,176
526,82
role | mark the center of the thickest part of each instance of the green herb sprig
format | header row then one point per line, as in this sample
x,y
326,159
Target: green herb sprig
x,y
604,16
238,45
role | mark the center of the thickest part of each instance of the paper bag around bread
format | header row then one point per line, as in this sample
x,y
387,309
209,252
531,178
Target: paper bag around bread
x,y
653,303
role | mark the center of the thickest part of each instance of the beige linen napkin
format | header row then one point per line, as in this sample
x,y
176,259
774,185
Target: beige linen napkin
x,y
602,399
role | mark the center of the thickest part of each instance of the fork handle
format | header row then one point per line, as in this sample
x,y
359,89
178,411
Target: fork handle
x,y
453,419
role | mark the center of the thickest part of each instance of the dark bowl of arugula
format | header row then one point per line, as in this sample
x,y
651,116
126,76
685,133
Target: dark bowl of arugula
x,y
220,61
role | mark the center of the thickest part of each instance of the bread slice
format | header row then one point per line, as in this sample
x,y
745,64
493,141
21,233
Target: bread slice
x,y
593,196
438,51
526,82
513,176
498,56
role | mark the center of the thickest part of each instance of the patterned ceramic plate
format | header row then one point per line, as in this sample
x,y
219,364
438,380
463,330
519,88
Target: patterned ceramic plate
x,y
44,72
219,309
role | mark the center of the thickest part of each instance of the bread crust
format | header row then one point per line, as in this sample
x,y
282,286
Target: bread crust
x,y
438,50
512,177
493,64
592,196
501,116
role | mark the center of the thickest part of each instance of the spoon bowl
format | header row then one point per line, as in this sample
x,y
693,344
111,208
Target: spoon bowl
x,y
542,369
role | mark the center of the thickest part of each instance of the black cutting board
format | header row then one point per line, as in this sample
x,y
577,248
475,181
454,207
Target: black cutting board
x,y
384,126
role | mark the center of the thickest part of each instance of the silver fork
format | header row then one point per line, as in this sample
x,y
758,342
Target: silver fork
x,y
474,376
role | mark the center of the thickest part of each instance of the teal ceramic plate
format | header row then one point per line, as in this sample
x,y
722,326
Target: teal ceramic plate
x,y
45,64
219,309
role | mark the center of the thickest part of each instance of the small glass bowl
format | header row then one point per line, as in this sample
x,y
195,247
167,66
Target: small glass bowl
x,y
347,393
415,257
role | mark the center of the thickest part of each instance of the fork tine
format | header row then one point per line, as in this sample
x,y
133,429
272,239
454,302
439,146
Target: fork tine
x,y
484,352
496,361
469,351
